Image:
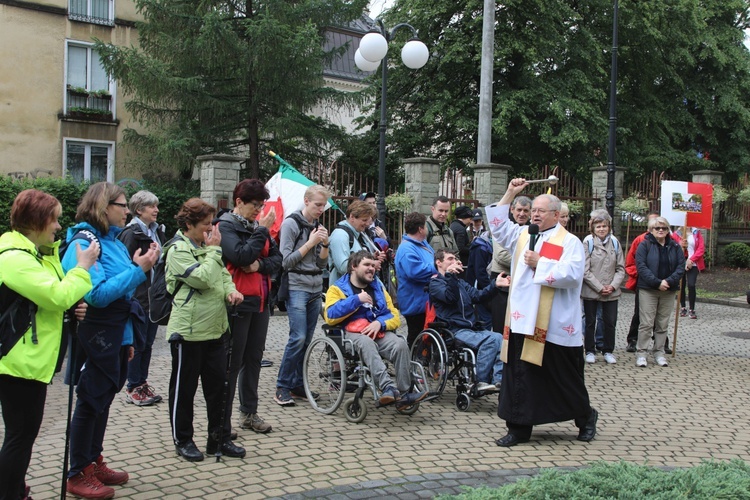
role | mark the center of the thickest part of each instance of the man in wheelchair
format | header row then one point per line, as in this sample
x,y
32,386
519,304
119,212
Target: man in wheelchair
x,y
454,300
359,302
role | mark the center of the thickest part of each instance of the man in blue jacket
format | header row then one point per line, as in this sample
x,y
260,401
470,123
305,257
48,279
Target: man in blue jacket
x,y
415,265
454,301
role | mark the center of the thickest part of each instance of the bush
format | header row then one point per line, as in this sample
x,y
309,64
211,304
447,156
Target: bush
x,y
171,197
626,481
737,255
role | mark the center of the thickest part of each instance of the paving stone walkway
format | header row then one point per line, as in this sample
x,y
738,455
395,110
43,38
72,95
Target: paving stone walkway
x,y
695,409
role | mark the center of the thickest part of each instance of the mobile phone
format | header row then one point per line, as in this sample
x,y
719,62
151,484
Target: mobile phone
x,y
317,223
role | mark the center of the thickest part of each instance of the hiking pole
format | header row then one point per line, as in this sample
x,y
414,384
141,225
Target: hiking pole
x,y
220,433
71,386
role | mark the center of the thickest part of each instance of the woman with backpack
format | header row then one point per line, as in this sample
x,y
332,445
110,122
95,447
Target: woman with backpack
x,y
202,288
30,267
114,322
603,275
140,233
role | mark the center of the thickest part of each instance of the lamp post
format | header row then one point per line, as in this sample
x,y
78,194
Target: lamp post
x,y
373,50
610,196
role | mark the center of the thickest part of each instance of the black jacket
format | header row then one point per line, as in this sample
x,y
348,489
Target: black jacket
x,y
134,238
462,240
647,262
242,246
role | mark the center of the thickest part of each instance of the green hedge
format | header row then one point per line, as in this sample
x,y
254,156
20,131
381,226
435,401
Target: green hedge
x,y
171,197
737,255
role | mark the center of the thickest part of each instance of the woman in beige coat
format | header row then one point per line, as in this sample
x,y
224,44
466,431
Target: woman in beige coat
x,y
603,275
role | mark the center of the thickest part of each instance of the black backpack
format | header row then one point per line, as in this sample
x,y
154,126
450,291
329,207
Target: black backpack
x,y
159,299
83,234
17,313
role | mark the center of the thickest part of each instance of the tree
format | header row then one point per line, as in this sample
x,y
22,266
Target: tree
x,y
224,76
682,86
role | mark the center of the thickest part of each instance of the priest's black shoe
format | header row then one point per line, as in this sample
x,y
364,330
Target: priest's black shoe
x,y
588,431
510,440
189,451
228,449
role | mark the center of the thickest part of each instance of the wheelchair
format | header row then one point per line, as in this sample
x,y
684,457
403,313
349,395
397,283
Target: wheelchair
x,y
332,368
443,357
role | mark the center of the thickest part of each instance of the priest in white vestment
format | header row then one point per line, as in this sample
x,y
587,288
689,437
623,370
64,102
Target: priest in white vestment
x,y
543,380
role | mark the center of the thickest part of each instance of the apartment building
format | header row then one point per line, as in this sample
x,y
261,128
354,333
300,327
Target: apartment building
x,y
60,115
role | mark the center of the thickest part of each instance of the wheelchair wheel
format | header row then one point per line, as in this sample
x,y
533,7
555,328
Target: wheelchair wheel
x,y
324,373
409,410
429,351
355,410
463,402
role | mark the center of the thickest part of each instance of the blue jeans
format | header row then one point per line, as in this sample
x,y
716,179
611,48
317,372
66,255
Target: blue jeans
x,y
487,345
138,366
303,308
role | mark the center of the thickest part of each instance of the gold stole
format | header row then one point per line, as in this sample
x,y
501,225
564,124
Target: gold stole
x,y
533,345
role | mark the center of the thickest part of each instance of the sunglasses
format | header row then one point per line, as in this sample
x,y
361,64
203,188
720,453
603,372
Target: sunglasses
x,y
661,228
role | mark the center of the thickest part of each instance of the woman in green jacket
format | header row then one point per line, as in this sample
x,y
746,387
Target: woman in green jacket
x,y
30,266
196,327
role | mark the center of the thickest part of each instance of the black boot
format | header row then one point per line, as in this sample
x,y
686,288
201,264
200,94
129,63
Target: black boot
x,y
228,448
189,451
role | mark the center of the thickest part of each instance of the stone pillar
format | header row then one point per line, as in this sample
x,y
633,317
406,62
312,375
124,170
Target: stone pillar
x,y
711,239
422,182
599,190
219,175
490,182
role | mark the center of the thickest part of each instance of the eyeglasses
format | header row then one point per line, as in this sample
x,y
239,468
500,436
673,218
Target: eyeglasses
x,y
121,205
258,206
661,228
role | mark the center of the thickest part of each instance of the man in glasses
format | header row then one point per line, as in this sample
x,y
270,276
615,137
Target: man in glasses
x,y
543,375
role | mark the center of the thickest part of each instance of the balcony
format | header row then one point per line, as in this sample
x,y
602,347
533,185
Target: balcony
x,y
91,11
89,106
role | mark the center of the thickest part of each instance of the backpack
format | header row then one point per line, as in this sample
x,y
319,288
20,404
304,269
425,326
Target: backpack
x,y
282,293
590,241
159,299
83,234
17,314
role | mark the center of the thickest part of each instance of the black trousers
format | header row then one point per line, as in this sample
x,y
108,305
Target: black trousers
x,y
23,408
206,360
609,317
691,277
249,331
414,325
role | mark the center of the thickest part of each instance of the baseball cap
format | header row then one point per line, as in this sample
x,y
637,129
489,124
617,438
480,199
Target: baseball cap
x,y
369,194
476,214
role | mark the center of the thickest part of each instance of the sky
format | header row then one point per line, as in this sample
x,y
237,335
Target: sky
x,y
378,6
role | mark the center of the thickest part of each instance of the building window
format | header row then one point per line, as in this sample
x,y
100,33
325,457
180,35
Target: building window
x,y
88,88
88,161
92,11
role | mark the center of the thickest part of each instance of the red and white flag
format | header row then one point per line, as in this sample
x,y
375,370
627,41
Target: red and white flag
x,y
687,203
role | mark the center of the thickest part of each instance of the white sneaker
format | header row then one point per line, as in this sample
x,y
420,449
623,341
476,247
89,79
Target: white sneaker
x,y
640,361
662,361
610,358
485,387
590,358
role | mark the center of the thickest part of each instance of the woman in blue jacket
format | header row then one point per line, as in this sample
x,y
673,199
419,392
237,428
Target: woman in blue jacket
x,y
106,334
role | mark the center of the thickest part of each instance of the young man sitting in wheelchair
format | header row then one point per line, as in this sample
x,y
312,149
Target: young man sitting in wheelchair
x,y
359,302
453,300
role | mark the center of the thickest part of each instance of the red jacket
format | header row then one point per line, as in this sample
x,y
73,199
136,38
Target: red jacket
x,y
698,251
630,266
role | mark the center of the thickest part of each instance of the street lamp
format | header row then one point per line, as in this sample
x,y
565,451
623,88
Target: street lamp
x,y
373,51
610,196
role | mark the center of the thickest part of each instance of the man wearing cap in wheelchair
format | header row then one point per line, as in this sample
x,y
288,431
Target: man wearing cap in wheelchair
x,y
454,299
359,302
